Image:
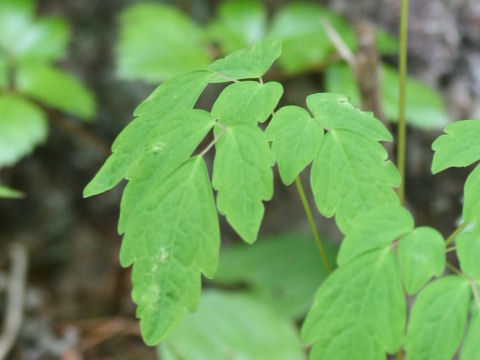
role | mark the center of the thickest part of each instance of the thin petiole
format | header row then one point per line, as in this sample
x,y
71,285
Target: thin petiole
x,y
215,139
454,234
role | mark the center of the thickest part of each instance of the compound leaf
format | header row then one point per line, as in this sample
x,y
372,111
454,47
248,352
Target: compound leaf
x,y
238,24
421,255
471,345
175,94
437,319
243,176
471,198
296,139
233,326
247,63
56,88
157,42
7,193
171,238
468,252
247,102
22,127
283,271
169,144
459,147
359,311
373,229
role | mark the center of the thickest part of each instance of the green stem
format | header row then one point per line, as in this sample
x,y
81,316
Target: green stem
x,y
308,212
402,124
454,234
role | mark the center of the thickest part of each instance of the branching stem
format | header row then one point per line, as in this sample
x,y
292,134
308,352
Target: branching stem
x,y
308,212
402,124
454,234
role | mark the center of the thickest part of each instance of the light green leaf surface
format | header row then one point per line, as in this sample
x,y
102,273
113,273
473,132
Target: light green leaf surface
x,y
425,107
22,127
421,255
306,44
175,94
471,344
233,326
247,63
373,229
359,312
437,319
458,147
283,271
238,24
471,197
243,176
171,238
468,252
157,42
296,139
247,102
56,88
7,193
168,145
350,175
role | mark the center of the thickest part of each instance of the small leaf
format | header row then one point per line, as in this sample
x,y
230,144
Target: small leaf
x,y
373,229
305,42
7,193
471,205
296,139
157,42
459,147
437,319
56,88
170,239
421,255
22,127
468,252
232,326
359,312
283,271
471,345
247,63
247,102
243,176
175,94
238,24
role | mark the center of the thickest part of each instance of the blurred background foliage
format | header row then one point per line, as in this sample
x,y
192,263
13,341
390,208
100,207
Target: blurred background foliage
x,y
71,74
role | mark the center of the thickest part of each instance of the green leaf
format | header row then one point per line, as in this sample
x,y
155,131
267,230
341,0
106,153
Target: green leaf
x,y
468,252
247,63
421,255
170,239
283,271
296,139
238,24
7,193
386,42
374,229
25,39
247,102
157,42
22,127
425,107
459,147
168,145
471,198
233,326
437,319
175,94
3,73
334,111
56,88
359,312
243,176
305,42
471,345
